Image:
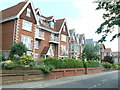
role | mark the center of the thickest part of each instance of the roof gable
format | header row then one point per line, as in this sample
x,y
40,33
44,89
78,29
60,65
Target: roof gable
x,y
17,10
14,9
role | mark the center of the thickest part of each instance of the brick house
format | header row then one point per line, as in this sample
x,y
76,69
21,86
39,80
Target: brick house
x,y
43,36
102,51
76,44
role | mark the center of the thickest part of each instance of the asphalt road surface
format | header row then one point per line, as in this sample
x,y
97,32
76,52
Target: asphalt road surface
x,y
104,81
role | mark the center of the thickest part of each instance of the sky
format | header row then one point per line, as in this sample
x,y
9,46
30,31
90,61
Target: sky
x,y
80,15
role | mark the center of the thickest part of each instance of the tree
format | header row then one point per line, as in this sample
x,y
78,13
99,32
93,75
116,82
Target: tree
x,y
111,18
108,59
18,49
90,52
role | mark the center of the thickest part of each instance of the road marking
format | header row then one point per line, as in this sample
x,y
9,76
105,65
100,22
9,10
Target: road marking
x,y
104,80
94,86
40,86
99,84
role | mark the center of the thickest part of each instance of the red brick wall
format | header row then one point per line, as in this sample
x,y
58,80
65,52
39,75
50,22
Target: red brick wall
x,y
23,15
7,34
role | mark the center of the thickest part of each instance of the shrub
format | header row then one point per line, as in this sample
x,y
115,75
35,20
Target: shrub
x,y
26,59
107,65
45,68
91,64
64,63
8,65
17,50
2,58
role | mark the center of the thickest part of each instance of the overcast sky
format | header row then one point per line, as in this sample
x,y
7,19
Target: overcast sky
x,y
80,14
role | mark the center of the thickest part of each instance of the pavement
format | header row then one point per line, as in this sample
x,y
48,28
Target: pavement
x,y
54,82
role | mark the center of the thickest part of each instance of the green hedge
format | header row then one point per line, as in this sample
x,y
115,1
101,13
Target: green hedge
x,y
64,63
107,65
70,63
91,64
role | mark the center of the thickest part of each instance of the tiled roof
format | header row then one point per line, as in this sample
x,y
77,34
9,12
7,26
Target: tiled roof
x,y
49,18
108,49
59,23
12,11
45,50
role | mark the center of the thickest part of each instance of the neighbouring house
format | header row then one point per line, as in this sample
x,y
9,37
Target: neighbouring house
x,y
76,44
108,52
102,51
116,57
89,41
43,36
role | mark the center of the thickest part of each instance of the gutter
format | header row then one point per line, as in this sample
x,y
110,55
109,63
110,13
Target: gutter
x,y
47,29
8,19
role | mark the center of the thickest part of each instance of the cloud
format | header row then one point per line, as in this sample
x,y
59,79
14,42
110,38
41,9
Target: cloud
x,y
89,21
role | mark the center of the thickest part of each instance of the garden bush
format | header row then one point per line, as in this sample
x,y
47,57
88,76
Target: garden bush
x,y
26,60
92,64
46,68
107,65
8,65
2,58
64,63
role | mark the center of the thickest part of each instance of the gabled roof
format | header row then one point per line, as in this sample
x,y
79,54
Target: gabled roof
x,y
45,50
102,45
108,49
49,18
16,10
12,11
59,24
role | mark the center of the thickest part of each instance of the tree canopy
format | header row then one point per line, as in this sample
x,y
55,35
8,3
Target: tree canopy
x,y
91,52
111,18
18,49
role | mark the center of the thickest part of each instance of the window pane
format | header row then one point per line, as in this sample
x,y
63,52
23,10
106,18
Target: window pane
x,y
27,25
36,44
64,38
27,41
28,12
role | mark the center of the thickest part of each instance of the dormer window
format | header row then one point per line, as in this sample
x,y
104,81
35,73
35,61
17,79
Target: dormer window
x,y
28,12
51,24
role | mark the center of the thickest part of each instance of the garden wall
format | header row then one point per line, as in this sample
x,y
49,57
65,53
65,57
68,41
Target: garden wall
x,y
14,76
60,73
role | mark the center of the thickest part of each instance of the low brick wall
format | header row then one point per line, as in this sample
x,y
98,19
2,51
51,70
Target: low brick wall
x,y
93,70
60,73
14,76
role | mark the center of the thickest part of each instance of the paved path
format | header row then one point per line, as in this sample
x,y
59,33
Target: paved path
x,y
49,83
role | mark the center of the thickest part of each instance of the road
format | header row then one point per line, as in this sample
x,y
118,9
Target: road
x,y
104,81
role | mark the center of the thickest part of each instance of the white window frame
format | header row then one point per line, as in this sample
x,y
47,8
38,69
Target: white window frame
x,y
50,51
63,37
27,41
28,12
35,56
26,25
36,44
63,48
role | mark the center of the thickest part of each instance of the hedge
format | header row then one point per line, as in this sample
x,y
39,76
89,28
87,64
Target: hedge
x,y
91,64
64,63
70,63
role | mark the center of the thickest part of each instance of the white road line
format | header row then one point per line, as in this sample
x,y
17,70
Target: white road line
x,y
104,80
99,84
94,86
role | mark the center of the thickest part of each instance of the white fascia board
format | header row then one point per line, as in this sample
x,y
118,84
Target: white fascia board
x,y
7,19
47,29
